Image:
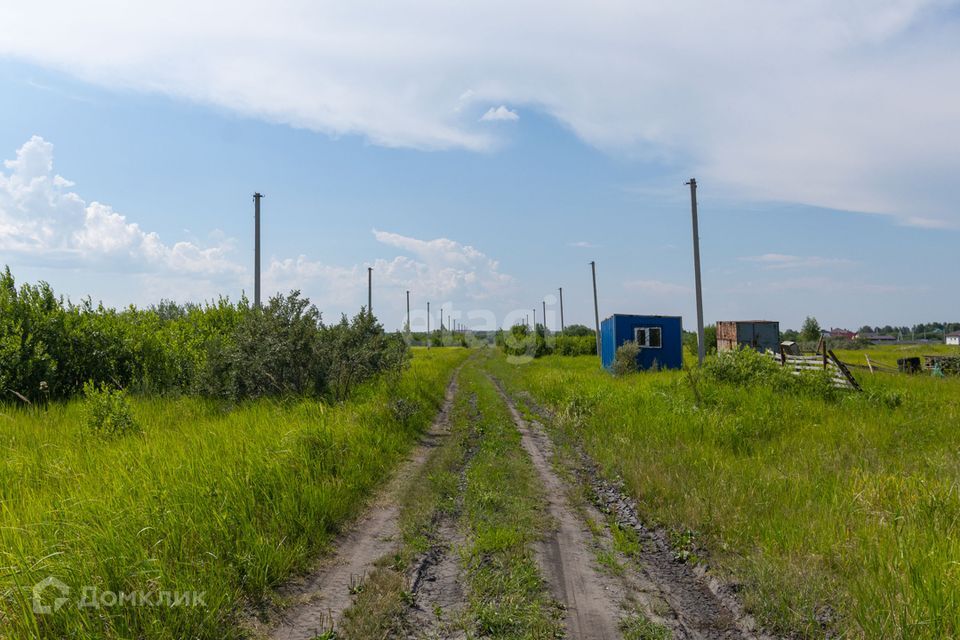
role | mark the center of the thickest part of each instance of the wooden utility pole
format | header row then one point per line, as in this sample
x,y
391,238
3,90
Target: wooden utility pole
x,y
701,347
596,307
256,249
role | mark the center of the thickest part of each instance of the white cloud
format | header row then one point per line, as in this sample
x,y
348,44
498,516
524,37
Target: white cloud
x,y
41,217
440,270
787,261
500,113
843,105
583,244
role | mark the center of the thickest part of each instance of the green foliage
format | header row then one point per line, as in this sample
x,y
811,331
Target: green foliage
x,y
219,350
578,331
522,342
107,411
749,367
227,503
625,360
839,518
810,331
575,345
709,339
354,351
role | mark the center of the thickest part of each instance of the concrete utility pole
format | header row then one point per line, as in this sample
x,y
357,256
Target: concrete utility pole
x,y
701,347
534,318
256,249
544,316
561,311
596,307
428,325
407,330
370,291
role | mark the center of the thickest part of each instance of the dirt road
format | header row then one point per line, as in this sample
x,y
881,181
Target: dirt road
x,y
323,597
602,591
566,557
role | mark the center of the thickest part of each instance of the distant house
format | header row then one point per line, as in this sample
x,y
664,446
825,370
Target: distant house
x,y
954,338
842,334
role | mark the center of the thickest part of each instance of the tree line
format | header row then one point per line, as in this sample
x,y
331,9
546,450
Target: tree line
x,y
50,348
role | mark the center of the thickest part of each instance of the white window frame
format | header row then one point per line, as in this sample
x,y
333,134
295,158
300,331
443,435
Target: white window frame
x,y
645,344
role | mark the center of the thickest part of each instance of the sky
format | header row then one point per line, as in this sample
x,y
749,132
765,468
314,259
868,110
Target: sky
x,y
480,155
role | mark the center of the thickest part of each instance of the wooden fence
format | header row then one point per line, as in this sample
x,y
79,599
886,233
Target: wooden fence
x,y
827,361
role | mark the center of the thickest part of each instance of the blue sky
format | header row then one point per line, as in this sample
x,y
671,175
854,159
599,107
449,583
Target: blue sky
x,y
482,168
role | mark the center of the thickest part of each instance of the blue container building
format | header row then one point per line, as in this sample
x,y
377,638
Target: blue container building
x,y
660,339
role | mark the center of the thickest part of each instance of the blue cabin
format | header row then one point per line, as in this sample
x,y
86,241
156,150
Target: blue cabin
x,y
660,339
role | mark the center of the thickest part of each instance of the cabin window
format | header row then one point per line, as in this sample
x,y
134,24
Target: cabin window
x,y
648,337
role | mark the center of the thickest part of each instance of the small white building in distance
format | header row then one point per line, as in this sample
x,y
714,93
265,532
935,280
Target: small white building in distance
x,y
954,338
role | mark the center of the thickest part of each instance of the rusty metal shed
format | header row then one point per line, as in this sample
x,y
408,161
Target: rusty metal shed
x,y
756,334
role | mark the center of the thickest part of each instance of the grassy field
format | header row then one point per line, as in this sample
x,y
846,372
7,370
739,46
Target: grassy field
x,y
837,516
208,508
888,354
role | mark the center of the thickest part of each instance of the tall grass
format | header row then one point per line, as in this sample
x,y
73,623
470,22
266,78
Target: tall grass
x,y
224,503
838,516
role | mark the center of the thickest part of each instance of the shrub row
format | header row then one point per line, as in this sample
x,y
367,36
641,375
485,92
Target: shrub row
x,y
522,341
50,348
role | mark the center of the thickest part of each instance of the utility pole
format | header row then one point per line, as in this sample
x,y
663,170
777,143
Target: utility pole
x,y
544,317
441,321
408,312
370,291
428,324
534,319
596,307
256,249
701,347
562,328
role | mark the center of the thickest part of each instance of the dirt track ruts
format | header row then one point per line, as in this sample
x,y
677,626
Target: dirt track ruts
x,y
325,594
687,601
566,557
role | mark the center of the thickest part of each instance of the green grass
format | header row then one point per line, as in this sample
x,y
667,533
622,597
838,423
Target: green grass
x,y
888,354
228,503
381,607
503,516
837,516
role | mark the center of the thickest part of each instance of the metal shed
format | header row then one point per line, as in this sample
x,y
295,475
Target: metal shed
x,y
756,334
660,339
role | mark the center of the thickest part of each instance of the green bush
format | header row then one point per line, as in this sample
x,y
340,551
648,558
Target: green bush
x,y
225,350
625,361
581,345
107,411
522,342
747,367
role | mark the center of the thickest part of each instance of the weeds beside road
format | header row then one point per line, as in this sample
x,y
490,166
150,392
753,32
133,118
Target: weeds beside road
x,y
227,503
837,515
